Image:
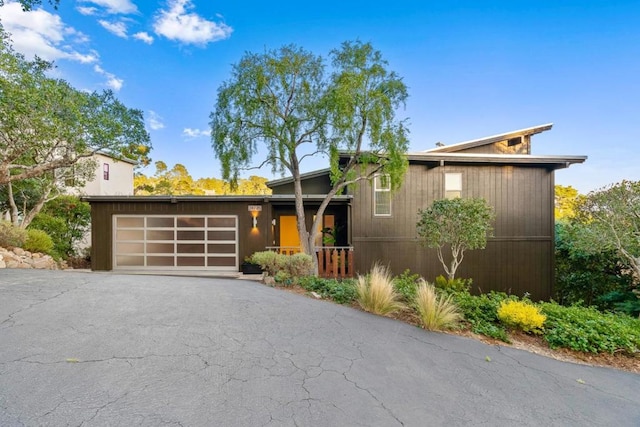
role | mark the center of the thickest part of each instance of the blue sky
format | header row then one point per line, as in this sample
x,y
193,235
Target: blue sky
x,y
473,68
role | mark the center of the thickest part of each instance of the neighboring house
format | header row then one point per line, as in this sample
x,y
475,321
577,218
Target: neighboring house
x,y
113,176
370,223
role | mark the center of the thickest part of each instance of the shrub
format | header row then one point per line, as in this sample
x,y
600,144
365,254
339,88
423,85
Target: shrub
x,y
283,267
522,315
299,265
482,313
340,291
453,285
57,229
436,312
11,236
269,261
376,293
588,330
406,285
38,241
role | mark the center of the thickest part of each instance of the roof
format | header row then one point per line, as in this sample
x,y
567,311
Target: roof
x,y
116,158
242,198
490,139
307,175
557,162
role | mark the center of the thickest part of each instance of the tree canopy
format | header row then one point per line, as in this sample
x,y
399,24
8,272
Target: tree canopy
x,y
49,130
460,223
282,108
30,4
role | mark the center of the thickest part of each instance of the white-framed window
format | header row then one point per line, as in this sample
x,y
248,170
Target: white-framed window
x,y
452,185
381,195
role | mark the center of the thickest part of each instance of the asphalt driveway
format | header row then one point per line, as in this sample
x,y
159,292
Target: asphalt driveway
x,y
97,349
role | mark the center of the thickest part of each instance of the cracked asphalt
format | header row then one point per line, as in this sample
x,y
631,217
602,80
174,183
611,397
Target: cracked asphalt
x,y
95,349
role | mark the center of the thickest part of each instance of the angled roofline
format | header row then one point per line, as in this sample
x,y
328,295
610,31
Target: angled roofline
x,y
116,158
490,139
289,179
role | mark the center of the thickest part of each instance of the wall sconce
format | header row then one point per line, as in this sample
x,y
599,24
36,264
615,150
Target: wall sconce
x,y
255,210
255,221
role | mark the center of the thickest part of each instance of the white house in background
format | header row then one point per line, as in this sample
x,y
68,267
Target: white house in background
x,y
113,177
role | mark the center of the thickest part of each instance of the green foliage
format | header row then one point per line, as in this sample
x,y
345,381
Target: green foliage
x,y
283,267
340,291
406,285
588,330
460,223
43,117
482,312
11,236
28,5
453,285
281,102
587,276
57,229
627,302
437,312
567,199
38,241
522,315
376,293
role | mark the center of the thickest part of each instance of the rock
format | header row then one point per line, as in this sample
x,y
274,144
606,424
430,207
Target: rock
x,y
19,251
269,281
2,263
315,295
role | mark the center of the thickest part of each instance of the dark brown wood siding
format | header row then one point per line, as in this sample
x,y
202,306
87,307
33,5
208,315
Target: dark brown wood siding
x,y
519,258
315,185
102,223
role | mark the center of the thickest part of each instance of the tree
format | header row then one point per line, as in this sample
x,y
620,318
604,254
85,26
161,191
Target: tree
x,y
49,130
566,200
460,223
611,219
283,100
30,4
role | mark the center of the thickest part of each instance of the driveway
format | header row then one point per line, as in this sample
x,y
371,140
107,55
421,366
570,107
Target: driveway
x,y
96,349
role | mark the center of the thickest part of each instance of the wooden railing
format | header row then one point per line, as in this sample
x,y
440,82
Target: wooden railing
x,y
333,261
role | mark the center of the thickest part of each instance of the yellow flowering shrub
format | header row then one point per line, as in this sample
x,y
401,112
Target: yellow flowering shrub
x,y
520,314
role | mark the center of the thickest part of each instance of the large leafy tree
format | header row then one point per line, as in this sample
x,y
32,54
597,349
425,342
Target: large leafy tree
x,y
611,221
50,130
282,106
460,224
30,4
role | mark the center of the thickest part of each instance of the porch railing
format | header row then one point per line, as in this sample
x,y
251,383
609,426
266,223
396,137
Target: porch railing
x,y
333,261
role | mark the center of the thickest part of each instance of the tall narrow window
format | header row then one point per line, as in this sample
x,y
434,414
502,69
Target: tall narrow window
x,y
382,195
105,171
452,185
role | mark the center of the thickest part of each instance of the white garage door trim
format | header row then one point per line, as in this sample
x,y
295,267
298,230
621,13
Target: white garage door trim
x,y
175,242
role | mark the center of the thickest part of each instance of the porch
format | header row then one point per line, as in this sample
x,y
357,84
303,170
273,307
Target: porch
x,y
334,262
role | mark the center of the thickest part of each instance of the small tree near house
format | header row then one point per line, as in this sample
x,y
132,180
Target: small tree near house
x,y
284,103
459,223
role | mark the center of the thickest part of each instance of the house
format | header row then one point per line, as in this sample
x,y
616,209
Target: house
x,y
112,176
366,225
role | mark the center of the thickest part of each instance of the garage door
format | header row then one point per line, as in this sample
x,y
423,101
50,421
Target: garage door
x,y
187,242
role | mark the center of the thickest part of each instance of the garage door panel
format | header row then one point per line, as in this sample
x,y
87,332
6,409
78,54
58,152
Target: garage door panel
x,y
160,242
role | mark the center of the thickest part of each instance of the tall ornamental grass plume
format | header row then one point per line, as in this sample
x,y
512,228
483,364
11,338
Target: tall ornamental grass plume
x,y
436,312
376,293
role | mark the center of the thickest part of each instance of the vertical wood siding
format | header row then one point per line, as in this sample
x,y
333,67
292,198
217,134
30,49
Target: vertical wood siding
x,y
518,259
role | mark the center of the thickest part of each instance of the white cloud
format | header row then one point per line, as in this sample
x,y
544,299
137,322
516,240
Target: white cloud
x,y
155,121
195,133
112,81
41,33
178,23
115,6
145,37
118,28
87,10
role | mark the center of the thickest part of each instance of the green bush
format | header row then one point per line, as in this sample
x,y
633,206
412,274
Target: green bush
x,y
57,229
588,330
406,285
283,267
38,241
453,285
522,315
11,236
482,313
341,291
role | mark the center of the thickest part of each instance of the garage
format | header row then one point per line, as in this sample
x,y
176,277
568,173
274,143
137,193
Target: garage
x,y
203,242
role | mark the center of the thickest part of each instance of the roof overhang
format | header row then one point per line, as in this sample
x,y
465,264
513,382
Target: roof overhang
x,y
307,175
439,159
272,198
